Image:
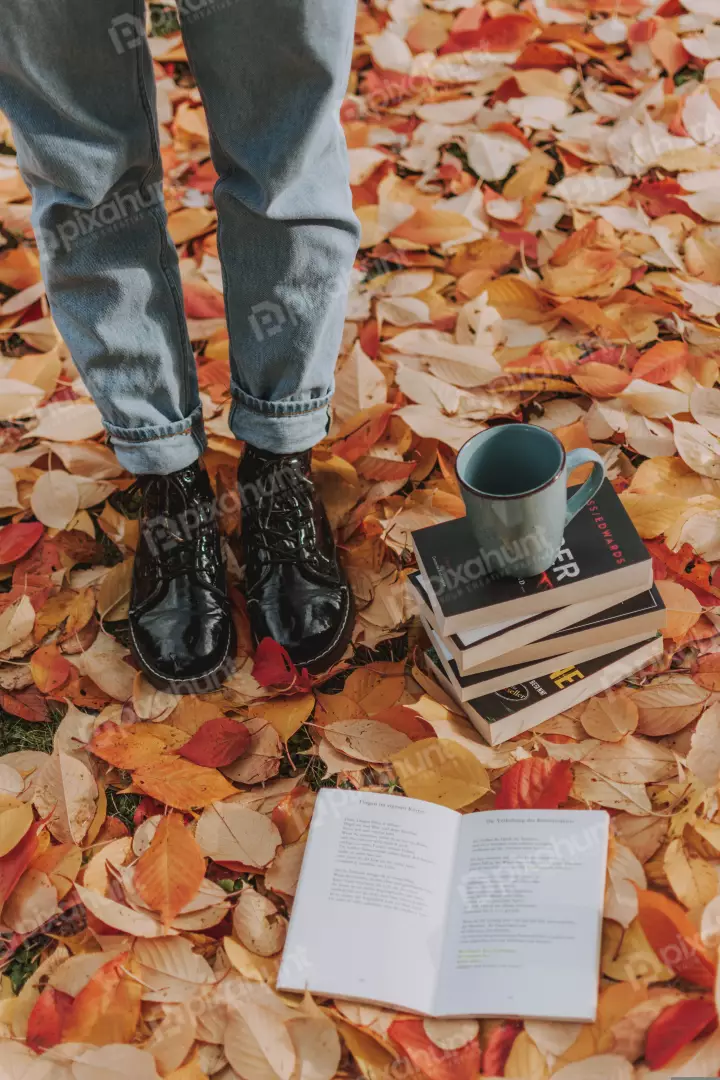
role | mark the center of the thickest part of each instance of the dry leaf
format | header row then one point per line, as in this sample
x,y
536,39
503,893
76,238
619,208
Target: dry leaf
x,y
233,833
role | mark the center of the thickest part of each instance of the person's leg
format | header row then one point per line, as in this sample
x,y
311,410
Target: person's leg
x,y
272,76
76,83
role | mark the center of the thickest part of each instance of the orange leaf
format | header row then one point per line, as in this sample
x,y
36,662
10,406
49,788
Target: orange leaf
x,y
668,49
169,873
675,1027
662,362
359,439
127,747
107,1009
47,1019
218,742
182,784
433,227
674,937
535,783
601,380
49,668
431,1060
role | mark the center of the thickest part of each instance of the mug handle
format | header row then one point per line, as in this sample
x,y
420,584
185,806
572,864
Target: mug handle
x,y
591,485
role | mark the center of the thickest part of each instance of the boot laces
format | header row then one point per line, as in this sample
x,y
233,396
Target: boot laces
x,y
180,542
280,513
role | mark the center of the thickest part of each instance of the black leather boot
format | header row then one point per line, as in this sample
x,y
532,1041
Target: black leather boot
x,y
181,631
296,590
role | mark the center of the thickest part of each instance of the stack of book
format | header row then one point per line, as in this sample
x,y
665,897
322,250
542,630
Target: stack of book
x,y
514,653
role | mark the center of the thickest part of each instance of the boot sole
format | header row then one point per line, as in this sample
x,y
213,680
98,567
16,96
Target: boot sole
x,y
199,684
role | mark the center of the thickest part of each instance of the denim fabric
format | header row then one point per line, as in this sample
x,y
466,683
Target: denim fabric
x,y
76,82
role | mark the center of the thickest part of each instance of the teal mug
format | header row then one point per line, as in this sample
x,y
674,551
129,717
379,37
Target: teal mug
x,y
513,480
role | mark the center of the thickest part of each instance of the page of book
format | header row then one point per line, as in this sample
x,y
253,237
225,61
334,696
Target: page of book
x,y
369,915
525,916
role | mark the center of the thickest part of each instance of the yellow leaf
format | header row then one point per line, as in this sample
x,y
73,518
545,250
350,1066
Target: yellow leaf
x,y
14,823
627,956
652,515
692,879
441,771
287,715
525,1061
169,873
113,598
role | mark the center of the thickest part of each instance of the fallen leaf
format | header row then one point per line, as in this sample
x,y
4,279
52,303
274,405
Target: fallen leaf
x,y
535,783
169,873
257,923
55,499
228,832
413,1040
181,784
674,938
107,1010
66,794
440,771
703,759
220,741
676,1026
48,1019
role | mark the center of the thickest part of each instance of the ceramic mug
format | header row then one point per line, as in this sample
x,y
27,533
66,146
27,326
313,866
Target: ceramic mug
x,y
513,480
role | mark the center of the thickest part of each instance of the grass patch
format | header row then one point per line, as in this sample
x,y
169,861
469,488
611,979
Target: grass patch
x,y
123,806
17,734
25,962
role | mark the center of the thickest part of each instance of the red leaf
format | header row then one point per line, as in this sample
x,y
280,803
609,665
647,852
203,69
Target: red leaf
x,y
218,742
28,704
498,1048
15,863
46,1020
535,784
273,667
431,1060
677,1026
16,540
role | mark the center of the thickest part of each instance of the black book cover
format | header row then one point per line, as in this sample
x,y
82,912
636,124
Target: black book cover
x,y
513,699
642,604
600,539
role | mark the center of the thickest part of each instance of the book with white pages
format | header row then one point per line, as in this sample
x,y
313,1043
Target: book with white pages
x,y
477,684
505,713
409,904
623,615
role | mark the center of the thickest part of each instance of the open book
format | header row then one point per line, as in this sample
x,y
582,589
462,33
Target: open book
x,y
410,904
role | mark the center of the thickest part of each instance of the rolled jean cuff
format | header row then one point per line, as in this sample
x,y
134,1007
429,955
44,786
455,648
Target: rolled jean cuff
x,y
162,449
280,427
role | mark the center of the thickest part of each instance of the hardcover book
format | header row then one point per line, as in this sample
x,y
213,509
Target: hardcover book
x,y
409,904
478,684
513,709
577,626
602,555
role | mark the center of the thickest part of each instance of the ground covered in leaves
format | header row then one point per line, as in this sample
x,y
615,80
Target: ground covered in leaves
x,y
539,191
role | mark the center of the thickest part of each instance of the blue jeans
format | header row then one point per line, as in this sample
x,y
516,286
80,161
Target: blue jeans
x,y
76,82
